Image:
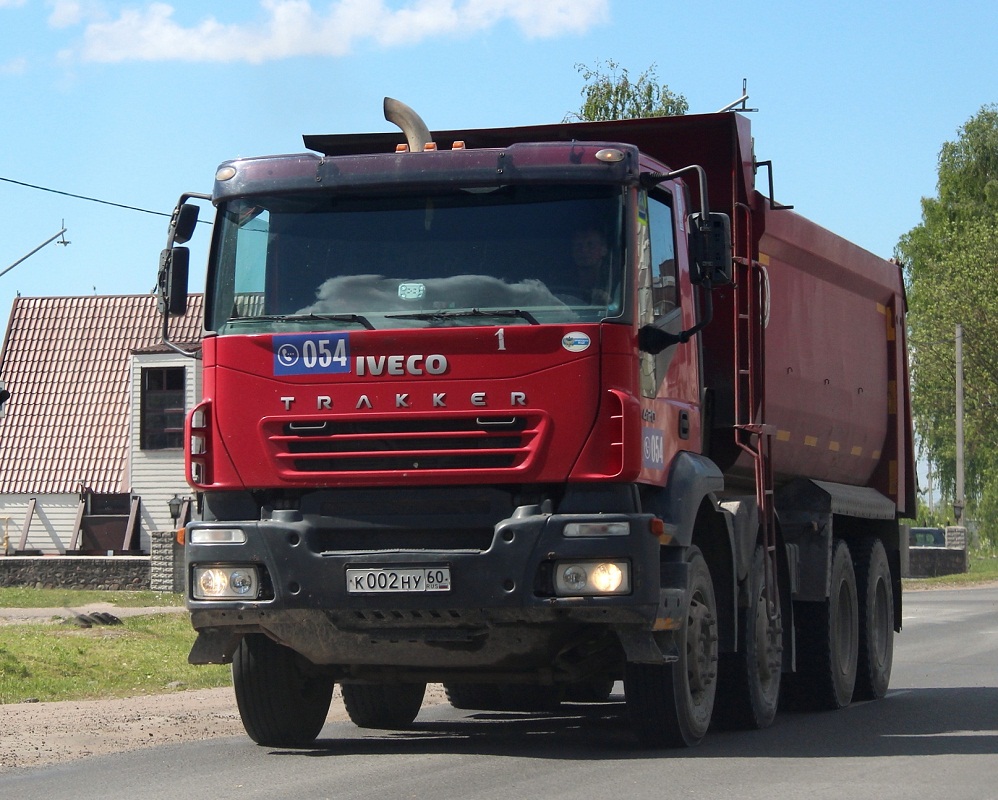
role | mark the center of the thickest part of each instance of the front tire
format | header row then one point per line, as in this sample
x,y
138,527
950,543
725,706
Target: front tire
x,y
281,703
670,705
385,706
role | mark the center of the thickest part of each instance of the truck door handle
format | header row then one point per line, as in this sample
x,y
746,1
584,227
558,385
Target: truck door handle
x,y
684,424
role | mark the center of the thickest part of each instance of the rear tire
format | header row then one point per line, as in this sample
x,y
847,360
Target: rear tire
x,y
385,706
473,696
876,620
280,702
524,697
670,705
749,688
828,641
594,690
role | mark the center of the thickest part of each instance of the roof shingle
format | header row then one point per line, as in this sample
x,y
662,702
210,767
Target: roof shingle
x,y
66,364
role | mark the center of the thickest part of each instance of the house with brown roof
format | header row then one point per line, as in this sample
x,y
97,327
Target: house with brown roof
x,y
91,440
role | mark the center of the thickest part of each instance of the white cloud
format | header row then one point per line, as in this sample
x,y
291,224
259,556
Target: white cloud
x,y
294,28
66,13
16,66
11,3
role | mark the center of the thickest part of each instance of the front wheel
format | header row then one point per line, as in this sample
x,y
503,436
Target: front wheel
x,y
387,706
281,702
670,705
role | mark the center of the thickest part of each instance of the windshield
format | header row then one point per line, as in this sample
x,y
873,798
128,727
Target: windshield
x,y
510,255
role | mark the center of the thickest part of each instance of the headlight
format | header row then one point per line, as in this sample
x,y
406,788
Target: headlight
x,y
573,578
222,582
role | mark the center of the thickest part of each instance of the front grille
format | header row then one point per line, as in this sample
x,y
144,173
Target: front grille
x,y
394,444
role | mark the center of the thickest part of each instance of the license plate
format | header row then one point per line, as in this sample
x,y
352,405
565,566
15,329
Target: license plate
x,y
418,579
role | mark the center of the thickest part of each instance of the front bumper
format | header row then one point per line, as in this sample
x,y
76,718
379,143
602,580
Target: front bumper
x,y
500,610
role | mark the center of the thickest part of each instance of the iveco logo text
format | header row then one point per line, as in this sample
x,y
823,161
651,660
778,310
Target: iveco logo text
x,y
401,365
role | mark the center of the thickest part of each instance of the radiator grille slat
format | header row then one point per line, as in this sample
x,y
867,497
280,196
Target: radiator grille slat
x,y
395,444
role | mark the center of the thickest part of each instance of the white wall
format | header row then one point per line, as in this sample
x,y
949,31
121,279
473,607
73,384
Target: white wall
x,y
158,475
51,526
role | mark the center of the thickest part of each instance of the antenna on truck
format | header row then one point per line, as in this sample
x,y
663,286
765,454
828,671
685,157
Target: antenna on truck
x,y
740,103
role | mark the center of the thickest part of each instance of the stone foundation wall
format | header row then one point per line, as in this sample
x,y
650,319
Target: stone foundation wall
x,y
166,565
115,573
930,562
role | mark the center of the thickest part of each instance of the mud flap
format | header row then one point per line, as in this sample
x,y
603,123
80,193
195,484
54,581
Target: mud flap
x,y
214,646
656,646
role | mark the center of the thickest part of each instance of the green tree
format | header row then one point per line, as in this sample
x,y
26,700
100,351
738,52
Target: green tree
x,y
951,262
611,94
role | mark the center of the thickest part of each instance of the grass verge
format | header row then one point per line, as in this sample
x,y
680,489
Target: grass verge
x,y
23,597
144,655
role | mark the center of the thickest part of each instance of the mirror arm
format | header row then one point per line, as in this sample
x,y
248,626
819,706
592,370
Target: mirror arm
x,y
650,179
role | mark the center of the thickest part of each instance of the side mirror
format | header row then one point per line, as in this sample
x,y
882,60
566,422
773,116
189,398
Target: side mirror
x,y
183,222
710,248
174,265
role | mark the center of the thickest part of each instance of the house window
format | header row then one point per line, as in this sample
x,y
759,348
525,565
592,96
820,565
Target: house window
x,y
163,390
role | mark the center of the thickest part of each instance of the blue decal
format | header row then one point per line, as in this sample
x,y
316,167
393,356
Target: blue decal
x,y
311,354
653,448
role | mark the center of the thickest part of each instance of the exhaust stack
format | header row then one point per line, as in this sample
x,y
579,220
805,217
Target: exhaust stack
x,y
412,125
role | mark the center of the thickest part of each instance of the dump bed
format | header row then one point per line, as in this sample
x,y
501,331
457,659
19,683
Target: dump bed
x,y
836,362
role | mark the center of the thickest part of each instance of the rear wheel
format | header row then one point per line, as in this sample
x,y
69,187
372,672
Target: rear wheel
x,y
749,689
670,705
594,690
473,696
504,696
828,641
876,620
388,706
281,703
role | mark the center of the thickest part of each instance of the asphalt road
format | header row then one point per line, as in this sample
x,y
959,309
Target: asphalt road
x,y
935,735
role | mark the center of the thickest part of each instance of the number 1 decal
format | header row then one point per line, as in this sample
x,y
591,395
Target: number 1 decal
x,y
501,336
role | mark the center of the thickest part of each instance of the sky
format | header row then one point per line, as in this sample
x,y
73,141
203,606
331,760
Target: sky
x,y
133,103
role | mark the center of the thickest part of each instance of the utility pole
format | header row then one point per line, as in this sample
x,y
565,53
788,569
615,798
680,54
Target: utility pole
x,y
958,495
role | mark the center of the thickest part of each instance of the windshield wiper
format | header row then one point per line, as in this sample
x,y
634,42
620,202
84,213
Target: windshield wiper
x,y
359,319
475,312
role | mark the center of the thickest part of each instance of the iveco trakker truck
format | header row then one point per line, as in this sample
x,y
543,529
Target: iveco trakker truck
x,y
530,411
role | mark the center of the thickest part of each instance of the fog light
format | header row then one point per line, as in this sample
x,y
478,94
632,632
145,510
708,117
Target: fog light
x,y
575,578
226,582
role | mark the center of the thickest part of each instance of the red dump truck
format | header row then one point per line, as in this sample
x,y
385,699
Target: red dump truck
x,y
529,411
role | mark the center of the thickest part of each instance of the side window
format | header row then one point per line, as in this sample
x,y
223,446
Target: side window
x,y
658,299
163,390
663,255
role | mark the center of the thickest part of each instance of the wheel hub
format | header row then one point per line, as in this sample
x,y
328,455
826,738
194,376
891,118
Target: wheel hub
x,y
701,647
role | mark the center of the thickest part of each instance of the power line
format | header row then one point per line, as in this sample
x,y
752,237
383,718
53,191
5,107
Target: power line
x,y
84,197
